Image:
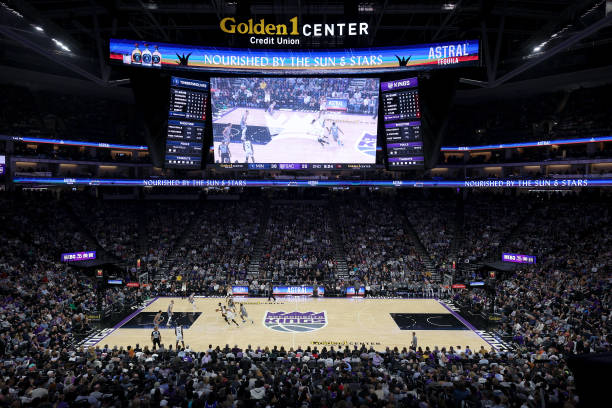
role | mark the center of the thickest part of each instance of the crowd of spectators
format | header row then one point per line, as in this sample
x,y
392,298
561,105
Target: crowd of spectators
x,y
378,250
361,95
552,310
298,244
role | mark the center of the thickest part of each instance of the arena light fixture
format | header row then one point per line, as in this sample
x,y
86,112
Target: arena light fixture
x,y
448,6
365,7
60,44
39,28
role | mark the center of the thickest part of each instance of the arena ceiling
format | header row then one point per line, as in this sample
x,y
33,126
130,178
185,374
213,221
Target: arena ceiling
x,y
515,35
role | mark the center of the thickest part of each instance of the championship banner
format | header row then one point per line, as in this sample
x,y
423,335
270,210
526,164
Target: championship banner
x,y
158,55
296,290
240,290
350,292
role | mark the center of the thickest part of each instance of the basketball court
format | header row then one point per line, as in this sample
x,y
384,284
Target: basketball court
x,y
302,321
294,137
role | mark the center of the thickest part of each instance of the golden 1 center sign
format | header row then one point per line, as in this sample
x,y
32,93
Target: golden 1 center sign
x,y
292,31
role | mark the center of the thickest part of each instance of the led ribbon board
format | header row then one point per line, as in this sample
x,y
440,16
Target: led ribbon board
x,y
157,55
214,183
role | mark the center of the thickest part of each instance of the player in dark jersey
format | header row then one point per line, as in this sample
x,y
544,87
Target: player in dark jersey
x,y
156,338
170,307
227,133
333,130
244,315
192,301
243,125
157,320
224,152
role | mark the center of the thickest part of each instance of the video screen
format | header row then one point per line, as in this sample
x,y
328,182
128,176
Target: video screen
x,y
294,123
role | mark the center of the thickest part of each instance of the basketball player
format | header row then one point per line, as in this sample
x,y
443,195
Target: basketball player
x,y
178,331
230,303
224,152
247,146
221,309
230,315
244,315
170,307
192,301
333,130
270,109
156,338
322,138
323,131
243,124
227,133
157,319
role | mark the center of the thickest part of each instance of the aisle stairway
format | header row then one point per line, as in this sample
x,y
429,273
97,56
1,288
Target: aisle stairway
x,y
260,245
418,245
342,270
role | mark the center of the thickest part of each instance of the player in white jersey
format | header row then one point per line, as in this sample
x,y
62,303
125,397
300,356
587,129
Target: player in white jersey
x,y
230,303
192,301
231,316
323,133
247,146
244,314
178,330
270,109
170,307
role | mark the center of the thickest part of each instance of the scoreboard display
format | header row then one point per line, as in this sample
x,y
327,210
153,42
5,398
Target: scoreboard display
x,y
186,123
401,114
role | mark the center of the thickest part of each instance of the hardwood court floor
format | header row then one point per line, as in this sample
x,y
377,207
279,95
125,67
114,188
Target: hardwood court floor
x,y
348,321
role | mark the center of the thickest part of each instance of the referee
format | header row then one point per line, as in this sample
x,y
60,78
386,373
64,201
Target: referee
x,y
270,292
156,338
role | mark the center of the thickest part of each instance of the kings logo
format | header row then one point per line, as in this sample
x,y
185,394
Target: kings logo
x,y
295,322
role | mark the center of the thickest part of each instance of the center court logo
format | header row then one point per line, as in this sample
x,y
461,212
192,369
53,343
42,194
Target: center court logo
x,y
367,144
295,322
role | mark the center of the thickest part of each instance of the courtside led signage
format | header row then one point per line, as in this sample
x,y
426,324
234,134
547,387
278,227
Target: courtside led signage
x,y
518,258
78,256
156,55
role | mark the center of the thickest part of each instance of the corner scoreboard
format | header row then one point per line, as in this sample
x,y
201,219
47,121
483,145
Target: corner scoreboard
x,y
186,122
401,115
